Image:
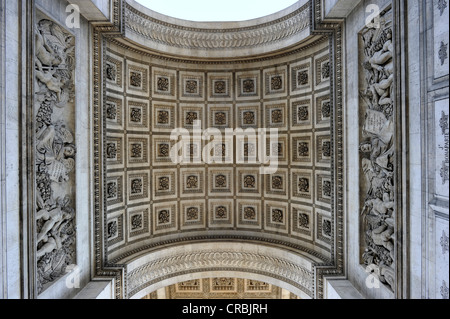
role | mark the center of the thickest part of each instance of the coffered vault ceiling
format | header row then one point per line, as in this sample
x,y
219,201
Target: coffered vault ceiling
x,y
221,288
150,199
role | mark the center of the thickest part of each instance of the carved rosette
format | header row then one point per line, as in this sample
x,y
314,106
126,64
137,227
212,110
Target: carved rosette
x,y
54,105
377,150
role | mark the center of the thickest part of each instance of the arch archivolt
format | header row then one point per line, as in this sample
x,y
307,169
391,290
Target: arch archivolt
x,y
273,265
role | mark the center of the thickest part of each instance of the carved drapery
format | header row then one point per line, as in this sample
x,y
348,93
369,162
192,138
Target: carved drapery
x,y
377,149
54,106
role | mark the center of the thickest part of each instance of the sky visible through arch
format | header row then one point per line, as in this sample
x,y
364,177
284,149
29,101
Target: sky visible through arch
x,y
215,10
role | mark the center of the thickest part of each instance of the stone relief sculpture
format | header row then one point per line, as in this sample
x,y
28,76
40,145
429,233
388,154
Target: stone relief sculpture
x,y
377,151
55,151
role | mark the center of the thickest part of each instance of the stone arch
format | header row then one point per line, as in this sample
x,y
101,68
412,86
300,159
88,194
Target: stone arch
x,y
274,265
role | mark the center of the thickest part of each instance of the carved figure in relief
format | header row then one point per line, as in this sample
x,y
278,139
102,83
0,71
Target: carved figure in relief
x,y
380,207
54,151
383,236
382,60
45,55
377,151
52,233
53,82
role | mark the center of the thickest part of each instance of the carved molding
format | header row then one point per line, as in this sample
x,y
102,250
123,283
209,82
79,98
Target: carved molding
x,y
214,260
192,38
55,151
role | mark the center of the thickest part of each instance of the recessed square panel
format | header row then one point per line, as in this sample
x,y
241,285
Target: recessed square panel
x,y
162,148
138,186
220,117
278,149
188,151
164,184
301,77
221,213
249,214
192,182
324,188
223,285
302,223
138,223
248,181
302,185
115,227
323,70
138,78
276,216
221,181
248,148
275,80
114,111
138,115
164,218
276,115
256,287
164,116
323,110
115,190
114,71
193,214
302,113
190,114
219,150
164,83
248,116
220,86
138,150
192,86
324,227
277,184
247,85
323,149
190,286
114,151
302,149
